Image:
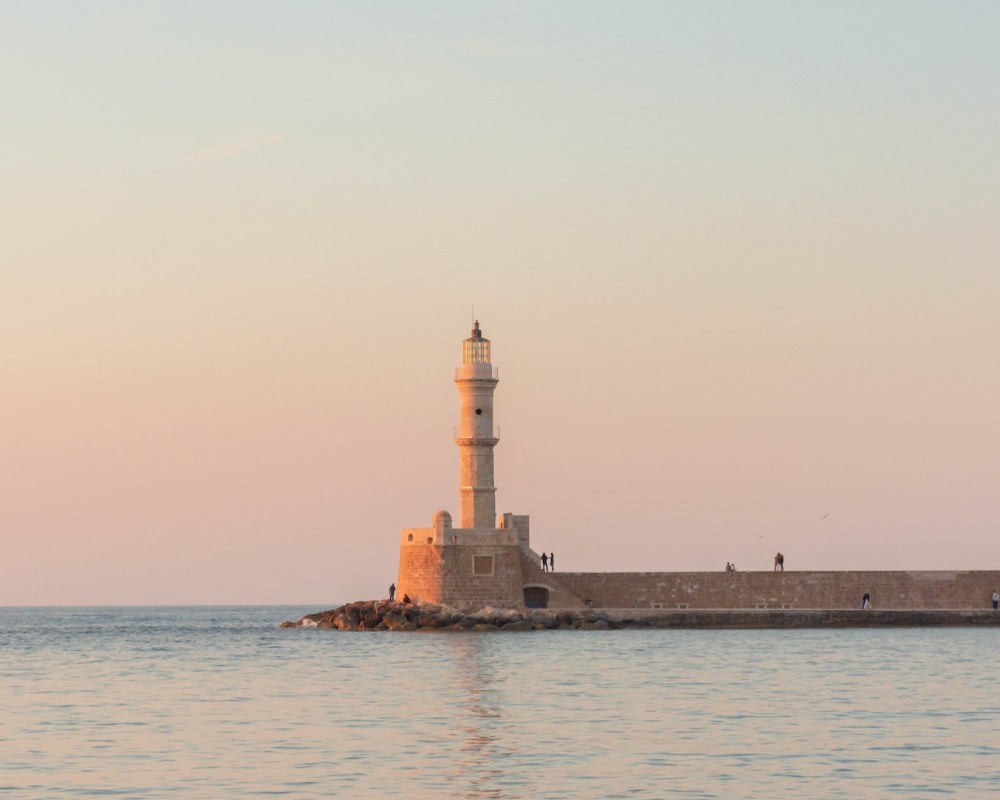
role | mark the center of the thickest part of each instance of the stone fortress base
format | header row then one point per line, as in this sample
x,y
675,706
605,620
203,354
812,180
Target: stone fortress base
x,y
471,569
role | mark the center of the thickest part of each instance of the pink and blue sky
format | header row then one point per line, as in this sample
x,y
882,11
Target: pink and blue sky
x,y
740,264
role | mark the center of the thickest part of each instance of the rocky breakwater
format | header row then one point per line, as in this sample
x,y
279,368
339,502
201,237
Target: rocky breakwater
x,y
386,615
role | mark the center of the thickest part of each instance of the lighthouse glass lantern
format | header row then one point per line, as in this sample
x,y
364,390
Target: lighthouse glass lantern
x,y
476,349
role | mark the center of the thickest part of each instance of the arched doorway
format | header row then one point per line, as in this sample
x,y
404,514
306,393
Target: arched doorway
x,y
536,597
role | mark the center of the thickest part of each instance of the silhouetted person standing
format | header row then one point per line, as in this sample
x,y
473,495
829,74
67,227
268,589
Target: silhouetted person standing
x,y
392,591
996,599
552,562
545,563
866,600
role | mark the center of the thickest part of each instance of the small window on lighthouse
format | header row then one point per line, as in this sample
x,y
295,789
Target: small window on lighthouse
x,y
479,411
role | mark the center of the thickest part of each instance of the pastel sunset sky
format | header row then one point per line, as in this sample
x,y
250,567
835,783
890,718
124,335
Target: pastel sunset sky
x,y
739,262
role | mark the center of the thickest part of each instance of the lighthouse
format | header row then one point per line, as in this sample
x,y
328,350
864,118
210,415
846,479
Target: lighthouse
x,y
486,559
476,437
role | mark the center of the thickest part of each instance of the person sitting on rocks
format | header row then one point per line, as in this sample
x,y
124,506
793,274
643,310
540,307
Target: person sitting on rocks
x,y
406,598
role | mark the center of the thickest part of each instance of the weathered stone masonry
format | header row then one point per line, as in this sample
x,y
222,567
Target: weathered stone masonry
x,y
793,589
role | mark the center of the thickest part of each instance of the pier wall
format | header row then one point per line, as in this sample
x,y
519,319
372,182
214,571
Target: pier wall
x,y
793,589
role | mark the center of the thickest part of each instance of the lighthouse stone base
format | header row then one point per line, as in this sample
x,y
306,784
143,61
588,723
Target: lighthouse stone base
x,y
465,568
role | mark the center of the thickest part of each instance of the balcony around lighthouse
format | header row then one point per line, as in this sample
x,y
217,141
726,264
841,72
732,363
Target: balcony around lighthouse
x,y
489,435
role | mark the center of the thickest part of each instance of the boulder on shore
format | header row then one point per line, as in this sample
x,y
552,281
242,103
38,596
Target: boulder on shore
x,y
391,615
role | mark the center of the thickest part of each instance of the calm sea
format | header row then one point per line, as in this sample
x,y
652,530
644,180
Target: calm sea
x,y
221,703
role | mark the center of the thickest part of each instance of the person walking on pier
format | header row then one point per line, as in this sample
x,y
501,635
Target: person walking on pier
x,y
392,592
866,600
996,599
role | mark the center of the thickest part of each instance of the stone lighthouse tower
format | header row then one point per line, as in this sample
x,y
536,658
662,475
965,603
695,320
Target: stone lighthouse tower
x,y
476,380
481,560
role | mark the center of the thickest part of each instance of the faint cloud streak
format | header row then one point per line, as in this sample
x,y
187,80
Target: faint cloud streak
x,y
481,48
238,145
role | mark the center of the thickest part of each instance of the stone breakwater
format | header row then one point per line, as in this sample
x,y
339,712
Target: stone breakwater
x,y
385,615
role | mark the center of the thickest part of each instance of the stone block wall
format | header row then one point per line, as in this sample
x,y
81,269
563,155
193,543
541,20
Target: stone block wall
x,y
520,523
532,575
420,572
453,573
468,575
798,589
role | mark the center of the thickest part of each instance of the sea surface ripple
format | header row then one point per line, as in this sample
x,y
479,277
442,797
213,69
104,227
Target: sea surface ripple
x,y
220,703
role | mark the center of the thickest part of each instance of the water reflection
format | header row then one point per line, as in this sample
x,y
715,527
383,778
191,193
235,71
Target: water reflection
x,y
478,770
